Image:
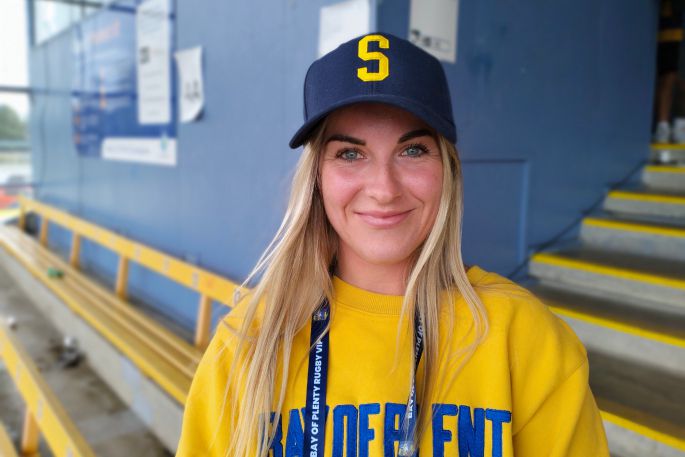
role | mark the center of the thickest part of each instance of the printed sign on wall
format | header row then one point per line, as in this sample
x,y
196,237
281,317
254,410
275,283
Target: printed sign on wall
x,y
123,104
433,27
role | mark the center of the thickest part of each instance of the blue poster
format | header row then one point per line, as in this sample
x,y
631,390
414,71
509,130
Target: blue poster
x,y
124,88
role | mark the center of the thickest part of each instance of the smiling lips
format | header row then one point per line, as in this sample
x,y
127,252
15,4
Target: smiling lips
x,y
381,219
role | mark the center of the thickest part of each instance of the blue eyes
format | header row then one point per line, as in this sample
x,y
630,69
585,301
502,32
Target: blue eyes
x,y
349,154
413,150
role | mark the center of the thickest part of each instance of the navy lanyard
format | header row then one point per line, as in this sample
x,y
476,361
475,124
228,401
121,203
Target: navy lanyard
x,y
317,377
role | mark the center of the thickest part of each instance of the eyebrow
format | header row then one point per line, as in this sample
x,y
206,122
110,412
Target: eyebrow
x,y
346,139
414,134
406,137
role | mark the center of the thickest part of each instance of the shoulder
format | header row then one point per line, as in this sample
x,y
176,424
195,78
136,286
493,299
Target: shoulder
x,y
225,343
532,331
233,322
505,301
510,304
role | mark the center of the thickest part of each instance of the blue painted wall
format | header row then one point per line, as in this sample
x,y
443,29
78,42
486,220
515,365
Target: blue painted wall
x,y
552,101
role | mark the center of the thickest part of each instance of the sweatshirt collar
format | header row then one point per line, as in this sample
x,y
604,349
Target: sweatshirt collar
x,y
350,296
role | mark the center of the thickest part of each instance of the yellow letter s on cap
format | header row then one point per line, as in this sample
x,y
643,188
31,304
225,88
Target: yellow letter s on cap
x,y
363,73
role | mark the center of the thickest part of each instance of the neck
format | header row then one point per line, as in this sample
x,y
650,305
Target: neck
x,y
382,279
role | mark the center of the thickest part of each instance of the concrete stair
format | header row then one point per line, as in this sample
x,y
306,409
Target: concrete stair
x,y
664,177
641,405
667,154
647,238
622,289
623,275
646,203
627,330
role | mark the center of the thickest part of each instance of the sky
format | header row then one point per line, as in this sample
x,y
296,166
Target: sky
x,y
13,53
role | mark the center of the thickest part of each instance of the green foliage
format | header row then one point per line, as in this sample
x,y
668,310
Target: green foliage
x,y
11,126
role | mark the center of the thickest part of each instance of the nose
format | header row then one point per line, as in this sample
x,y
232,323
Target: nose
x,y
383,183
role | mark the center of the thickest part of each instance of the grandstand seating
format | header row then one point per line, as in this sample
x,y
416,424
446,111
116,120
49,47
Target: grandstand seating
x,y
161,355
6,446
44,413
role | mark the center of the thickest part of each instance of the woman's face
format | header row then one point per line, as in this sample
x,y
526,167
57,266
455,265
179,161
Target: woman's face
x,y
381,180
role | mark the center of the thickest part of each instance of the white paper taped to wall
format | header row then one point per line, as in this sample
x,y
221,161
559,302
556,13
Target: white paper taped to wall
x,y
341,22
433,27
153,63
190,85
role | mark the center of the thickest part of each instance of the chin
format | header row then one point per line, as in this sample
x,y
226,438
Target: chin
x,y
387,257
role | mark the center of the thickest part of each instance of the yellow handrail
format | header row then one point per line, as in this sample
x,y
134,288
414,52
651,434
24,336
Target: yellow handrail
x,y
210,286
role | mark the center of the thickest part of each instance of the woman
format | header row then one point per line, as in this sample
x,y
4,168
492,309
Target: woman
x,y
410,352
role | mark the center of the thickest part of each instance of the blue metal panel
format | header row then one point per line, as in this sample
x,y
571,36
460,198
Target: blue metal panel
x,y
495,206
563,86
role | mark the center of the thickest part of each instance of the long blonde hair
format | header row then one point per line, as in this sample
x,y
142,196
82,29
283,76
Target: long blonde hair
x,y
295,278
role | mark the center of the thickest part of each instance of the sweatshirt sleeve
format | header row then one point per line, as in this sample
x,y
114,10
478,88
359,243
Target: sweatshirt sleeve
x,y
205,429
566,424
555,413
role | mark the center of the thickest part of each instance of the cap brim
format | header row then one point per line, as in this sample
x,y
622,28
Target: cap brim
x,y
443,126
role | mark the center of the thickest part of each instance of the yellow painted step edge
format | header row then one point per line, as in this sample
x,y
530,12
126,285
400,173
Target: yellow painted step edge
x,y
621,273
56,426
634,227
664,169
180,395
643,430
619,326
6,447
656,198
668,147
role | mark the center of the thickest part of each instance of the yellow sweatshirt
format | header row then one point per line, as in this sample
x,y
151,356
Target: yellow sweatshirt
x,y
523,393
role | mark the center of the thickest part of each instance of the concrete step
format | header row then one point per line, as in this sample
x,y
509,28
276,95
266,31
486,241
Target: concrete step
x,y
642,407
108,425
630,331
615,275
646,203
667,153
665,241
664,177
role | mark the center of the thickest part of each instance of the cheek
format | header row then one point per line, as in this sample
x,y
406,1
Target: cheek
x,y
337,190
426,185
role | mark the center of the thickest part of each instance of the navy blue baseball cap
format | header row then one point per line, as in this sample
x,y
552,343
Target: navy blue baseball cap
x,y
381,68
